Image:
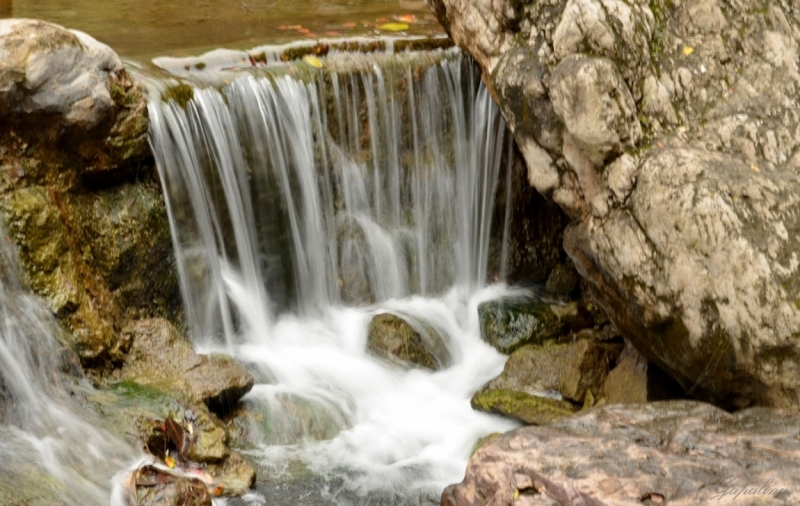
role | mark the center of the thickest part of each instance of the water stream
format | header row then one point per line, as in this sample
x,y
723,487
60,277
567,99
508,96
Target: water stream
x,y
301,207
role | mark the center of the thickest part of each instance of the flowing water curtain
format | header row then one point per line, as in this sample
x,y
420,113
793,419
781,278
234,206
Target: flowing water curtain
x,y
355,188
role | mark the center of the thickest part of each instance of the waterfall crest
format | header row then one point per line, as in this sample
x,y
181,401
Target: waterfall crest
x,y
300,208
347,189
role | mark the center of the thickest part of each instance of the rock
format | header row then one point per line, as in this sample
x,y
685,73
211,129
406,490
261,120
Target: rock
x,y
533,247
678,165
563,280
77,85
175,491
397,340
613,29
511,322
705,284
161,357
634,380
596,107
569,370
143,410
676,452
527,408
78,189
235,474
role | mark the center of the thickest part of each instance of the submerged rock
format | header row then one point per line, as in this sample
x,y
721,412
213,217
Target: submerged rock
x,y
396,340
285,419
676,452
160,356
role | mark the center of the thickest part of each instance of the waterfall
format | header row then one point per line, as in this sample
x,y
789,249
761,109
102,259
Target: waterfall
x,y
50,447
299,208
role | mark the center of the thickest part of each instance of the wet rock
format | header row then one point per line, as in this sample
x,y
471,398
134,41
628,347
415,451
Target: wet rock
x,y
511,322
397,340
153,489
570,370
160,356
676,452
169,427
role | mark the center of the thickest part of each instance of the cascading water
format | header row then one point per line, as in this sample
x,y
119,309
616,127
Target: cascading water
x,y
52,451
300,209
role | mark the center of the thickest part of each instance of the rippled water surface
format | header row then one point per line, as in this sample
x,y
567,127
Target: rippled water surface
x,y
142,29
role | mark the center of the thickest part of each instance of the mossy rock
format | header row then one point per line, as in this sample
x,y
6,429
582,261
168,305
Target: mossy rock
x,y
396,340
511,322
520,406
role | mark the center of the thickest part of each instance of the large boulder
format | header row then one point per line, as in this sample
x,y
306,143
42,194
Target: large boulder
x,y
78,189
667,132
676,452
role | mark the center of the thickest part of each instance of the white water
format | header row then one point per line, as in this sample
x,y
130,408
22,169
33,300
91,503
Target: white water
x,y
300,210
50,447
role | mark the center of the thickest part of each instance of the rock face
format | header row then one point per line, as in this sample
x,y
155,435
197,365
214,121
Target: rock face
x,y
676,452
393,338
78,191
667,132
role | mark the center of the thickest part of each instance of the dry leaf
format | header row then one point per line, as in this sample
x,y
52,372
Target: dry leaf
x,y
393,27
313,61
755,168
687,50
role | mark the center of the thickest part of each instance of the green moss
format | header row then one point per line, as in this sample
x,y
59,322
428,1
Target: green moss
x,y
181,94
521,406
482,441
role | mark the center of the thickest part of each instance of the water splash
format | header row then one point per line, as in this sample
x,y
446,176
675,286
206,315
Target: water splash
x,y
300,209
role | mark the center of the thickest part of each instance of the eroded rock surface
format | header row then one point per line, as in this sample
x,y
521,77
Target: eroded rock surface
x,y
676,452
668,133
